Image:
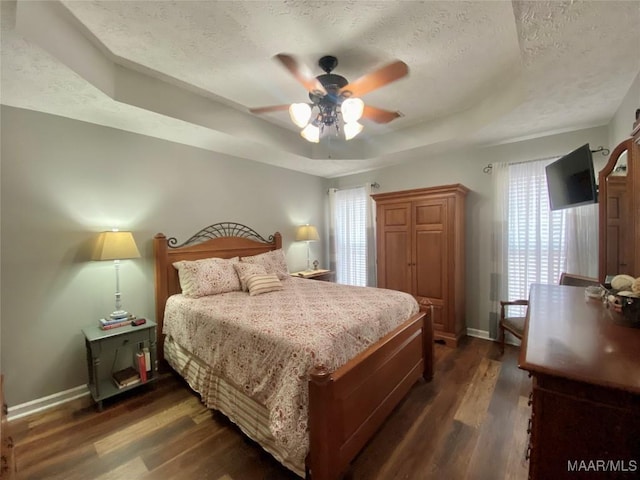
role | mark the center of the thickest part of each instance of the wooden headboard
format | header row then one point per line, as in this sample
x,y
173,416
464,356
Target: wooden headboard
x,y
221,240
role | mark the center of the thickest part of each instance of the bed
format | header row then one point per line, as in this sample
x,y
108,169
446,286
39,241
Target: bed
x,y
343,405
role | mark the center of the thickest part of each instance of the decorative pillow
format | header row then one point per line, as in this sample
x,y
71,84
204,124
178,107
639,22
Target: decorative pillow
x,y
259,284
273,262
245,270
208,276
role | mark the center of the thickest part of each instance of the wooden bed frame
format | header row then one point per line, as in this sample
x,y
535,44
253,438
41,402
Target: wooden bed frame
x,y
347,406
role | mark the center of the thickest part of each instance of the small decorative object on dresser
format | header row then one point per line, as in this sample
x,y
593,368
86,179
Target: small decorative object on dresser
x,y
106,348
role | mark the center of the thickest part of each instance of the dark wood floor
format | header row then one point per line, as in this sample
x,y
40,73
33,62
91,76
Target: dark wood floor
x,y
469,422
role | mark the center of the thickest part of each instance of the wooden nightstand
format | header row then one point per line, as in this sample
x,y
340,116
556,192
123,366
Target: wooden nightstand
x,y
324,275
115,349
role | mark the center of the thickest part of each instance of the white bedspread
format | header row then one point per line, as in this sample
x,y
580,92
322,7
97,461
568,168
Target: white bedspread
x,y
265,345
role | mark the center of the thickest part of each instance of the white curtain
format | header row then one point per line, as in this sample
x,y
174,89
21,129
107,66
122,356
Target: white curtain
x,y
498,285
532,244
582,240
352,235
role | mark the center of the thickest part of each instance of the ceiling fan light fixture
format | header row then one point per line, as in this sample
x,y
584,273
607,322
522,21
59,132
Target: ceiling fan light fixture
x,y
300,114
351,129
352,110
311,133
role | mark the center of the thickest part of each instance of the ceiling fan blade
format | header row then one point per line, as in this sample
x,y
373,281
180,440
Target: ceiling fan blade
x,y
374,80
309,82
272,108
379,115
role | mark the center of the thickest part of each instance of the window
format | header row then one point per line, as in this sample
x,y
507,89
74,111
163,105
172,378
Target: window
x,y
350,219
352,233
536,247
542,244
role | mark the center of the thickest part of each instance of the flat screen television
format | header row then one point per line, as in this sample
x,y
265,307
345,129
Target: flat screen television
x,y
571,180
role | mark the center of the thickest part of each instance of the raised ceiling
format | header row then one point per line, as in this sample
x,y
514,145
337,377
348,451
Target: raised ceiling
x,y
479,72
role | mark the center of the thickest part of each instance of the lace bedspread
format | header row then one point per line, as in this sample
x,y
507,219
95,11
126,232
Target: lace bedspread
x,y
266,344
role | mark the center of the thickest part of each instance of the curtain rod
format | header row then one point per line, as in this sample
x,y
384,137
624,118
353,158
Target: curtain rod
x,y
373,185
489,168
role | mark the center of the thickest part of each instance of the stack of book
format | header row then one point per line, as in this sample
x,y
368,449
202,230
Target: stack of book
x,y
107,323
126,377
143,363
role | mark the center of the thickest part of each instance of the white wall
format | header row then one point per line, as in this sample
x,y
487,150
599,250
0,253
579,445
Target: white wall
x,y
466,167
63,181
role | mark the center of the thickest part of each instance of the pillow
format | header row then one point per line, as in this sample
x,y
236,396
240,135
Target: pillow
x,y
208,276
245,270
259,284
273,262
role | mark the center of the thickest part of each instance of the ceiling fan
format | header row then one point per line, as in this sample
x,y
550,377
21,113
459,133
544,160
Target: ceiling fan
x,y
335,102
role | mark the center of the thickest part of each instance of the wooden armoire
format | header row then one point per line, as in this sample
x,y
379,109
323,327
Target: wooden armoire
x,y
420,250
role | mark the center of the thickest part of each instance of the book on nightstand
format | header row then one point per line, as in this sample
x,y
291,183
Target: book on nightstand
x,y
106,324
141,366
126,377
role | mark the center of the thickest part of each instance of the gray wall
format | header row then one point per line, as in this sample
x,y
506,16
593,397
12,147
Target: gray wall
x,y
63,181
466,167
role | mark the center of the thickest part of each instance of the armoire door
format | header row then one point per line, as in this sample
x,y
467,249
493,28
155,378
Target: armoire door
x,y
394,246
430,256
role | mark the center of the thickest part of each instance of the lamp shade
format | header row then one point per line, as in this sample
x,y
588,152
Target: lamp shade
x,y
300,114
115,246
352,110
307,233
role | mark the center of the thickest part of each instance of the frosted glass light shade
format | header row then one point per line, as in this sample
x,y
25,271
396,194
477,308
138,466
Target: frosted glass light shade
x,y
307,233
300,114
352,109
352,129
311,133
115,246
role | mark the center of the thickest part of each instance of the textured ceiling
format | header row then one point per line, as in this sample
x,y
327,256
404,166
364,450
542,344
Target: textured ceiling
x,y
480,72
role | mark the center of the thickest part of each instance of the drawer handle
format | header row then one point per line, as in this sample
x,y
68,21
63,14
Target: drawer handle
x,y
527,455
529,426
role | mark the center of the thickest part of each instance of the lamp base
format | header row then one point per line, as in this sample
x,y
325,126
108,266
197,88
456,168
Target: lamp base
x,y
119,314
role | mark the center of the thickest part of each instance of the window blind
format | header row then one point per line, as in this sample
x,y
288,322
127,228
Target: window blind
x,y
536,251
351,236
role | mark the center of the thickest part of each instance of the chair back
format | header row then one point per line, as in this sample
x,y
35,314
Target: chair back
x,y
577,280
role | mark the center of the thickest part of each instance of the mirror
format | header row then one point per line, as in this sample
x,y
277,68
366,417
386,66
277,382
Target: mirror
x,y
616,231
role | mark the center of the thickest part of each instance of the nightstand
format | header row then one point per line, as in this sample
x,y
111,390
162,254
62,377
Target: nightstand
x,y
324,275
115,349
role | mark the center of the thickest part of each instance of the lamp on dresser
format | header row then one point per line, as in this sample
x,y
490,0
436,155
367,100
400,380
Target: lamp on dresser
x,y
307,233
116,245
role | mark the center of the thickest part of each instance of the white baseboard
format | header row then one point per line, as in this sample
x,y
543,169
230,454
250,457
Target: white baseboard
x,y
45,403
474,332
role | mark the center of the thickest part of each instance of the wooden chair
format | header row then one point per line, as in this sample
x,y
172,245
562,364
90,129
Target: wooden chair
x,y
515,325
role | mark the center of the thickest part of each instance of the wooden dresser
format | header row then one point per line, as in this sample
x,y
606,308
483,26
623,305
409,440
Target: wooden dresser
x,y
585,364
420,250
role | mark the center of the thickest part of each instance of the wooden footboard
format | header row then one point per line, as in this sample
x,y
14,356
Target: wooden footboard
x,y
346,407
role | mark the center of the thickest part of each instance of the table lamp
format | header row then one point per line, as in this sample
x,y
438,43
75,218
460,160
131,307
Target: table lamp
x,y
116,246
307,233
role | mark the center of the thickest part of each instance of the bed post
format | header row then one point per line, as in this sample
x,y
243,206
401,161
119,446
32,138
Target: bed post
x,y
427,338
323,456
160,254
